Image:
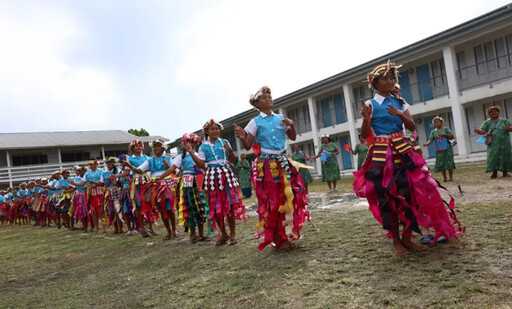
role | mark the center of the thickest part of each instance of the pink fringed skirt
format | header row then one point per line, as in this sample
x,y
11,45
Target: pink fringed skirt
x,y
396,181
282,202
221,188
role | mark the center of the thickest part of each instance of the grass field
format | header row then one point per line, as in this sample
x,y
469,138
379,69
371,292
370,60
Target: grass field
x,y
344,262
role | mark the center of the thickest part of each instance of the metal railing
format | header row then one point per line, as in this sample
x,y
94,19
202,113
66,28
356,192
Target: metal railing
x,y
30,172
425,90
332,116
485,72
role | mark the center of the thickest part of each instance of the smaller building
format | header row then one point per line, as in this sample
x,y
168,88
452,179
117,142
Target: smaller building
x,y
26,156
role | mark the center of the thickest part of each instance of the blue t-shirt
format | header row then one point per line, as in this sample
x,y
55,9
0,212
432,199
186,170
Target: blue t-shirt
x,y
206,153
383,123
22,193
93,175
271,133
125,182
79,189
137,161
64,183
157,164
106,181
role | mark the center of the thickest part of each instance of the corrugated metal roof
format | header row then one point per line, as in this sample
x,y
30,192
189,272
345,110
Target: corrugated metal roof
x,y
153,138
60,139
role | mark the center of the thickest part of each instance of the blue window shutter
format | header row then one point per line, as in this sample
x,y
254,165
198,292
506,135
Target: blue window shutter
x,y
405,85
339,107
326,112
424,85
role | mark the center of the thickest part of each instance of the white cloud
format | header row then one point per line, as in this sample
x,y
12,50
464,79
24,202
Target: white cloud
x,y
39,87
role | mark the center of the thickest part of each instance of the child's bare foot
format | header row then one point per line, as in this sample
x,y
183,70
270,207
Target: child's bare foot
x,y
410,245
399,247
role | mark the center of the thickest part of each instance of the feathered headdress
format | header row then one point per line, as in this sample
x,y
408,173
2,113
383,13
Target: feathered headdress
x,y
382,70
92,161
211,122
438,118
135,142
254,97
158,143
112,160
191,138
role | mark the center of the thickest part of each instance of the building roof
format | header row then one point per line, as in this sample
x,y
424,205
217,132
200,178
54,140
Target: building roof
x,y
151,138
480,22
62,139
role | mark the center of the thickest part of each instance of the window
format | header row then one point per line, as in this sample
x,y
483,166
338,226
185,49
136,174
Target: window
x,y
461,62
114,153
501,52
437,72
490,56
29,159
509,47
74,156
479,58
305,112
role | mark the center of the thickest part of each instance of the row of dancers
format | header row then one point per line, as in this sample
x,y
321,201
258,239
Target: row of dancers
x,y
394,178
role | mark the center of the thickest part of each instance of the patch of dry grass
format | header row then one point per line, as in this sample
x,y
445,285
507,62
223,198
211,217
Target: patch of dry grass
x,y
344,262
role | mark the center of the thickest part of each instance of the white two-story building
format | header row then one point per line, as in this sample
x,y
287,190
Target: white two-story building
x,y
456,74
26,156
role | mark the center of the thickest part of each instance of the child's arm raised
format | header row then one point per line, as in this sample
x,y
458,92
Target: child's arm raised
x,y
198,161
247,139
291,133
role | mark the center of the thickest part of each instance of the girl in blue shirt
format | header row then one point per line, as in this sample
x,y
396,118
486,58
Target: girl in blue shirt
x,y
3,207
394,177
160,192
112,196
128,206
82,212
282,203
142,210
192,205
221,184
64,204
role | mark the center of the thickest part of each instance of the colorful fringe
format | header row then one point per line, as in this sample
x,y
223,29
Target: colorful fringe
x,y
282,202
395,180
221,188
192,205
161,195
81,210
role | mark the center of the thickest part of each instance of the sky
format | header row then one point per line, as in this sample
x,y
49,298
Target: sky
x,y
169,66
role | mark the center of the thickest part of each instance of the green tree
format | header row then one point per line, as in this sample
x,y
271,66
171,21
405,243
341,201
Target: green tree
x,y
141,132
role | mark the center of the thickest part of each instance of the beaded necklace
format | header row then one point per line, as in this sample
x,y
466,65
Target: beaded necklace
x,y
223,151
160,163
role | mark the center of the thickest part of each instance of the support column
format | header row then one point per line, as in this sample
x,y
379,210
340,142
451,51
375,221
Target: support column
x,y
8,160
238,148
354,140
103,152
314,130
59,155
459,116
286,143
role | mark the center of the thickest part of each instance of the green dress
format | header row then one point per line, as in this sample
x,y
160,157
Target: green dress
x,y
499,154
244,172
444,159
304,172
361,150
330,168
